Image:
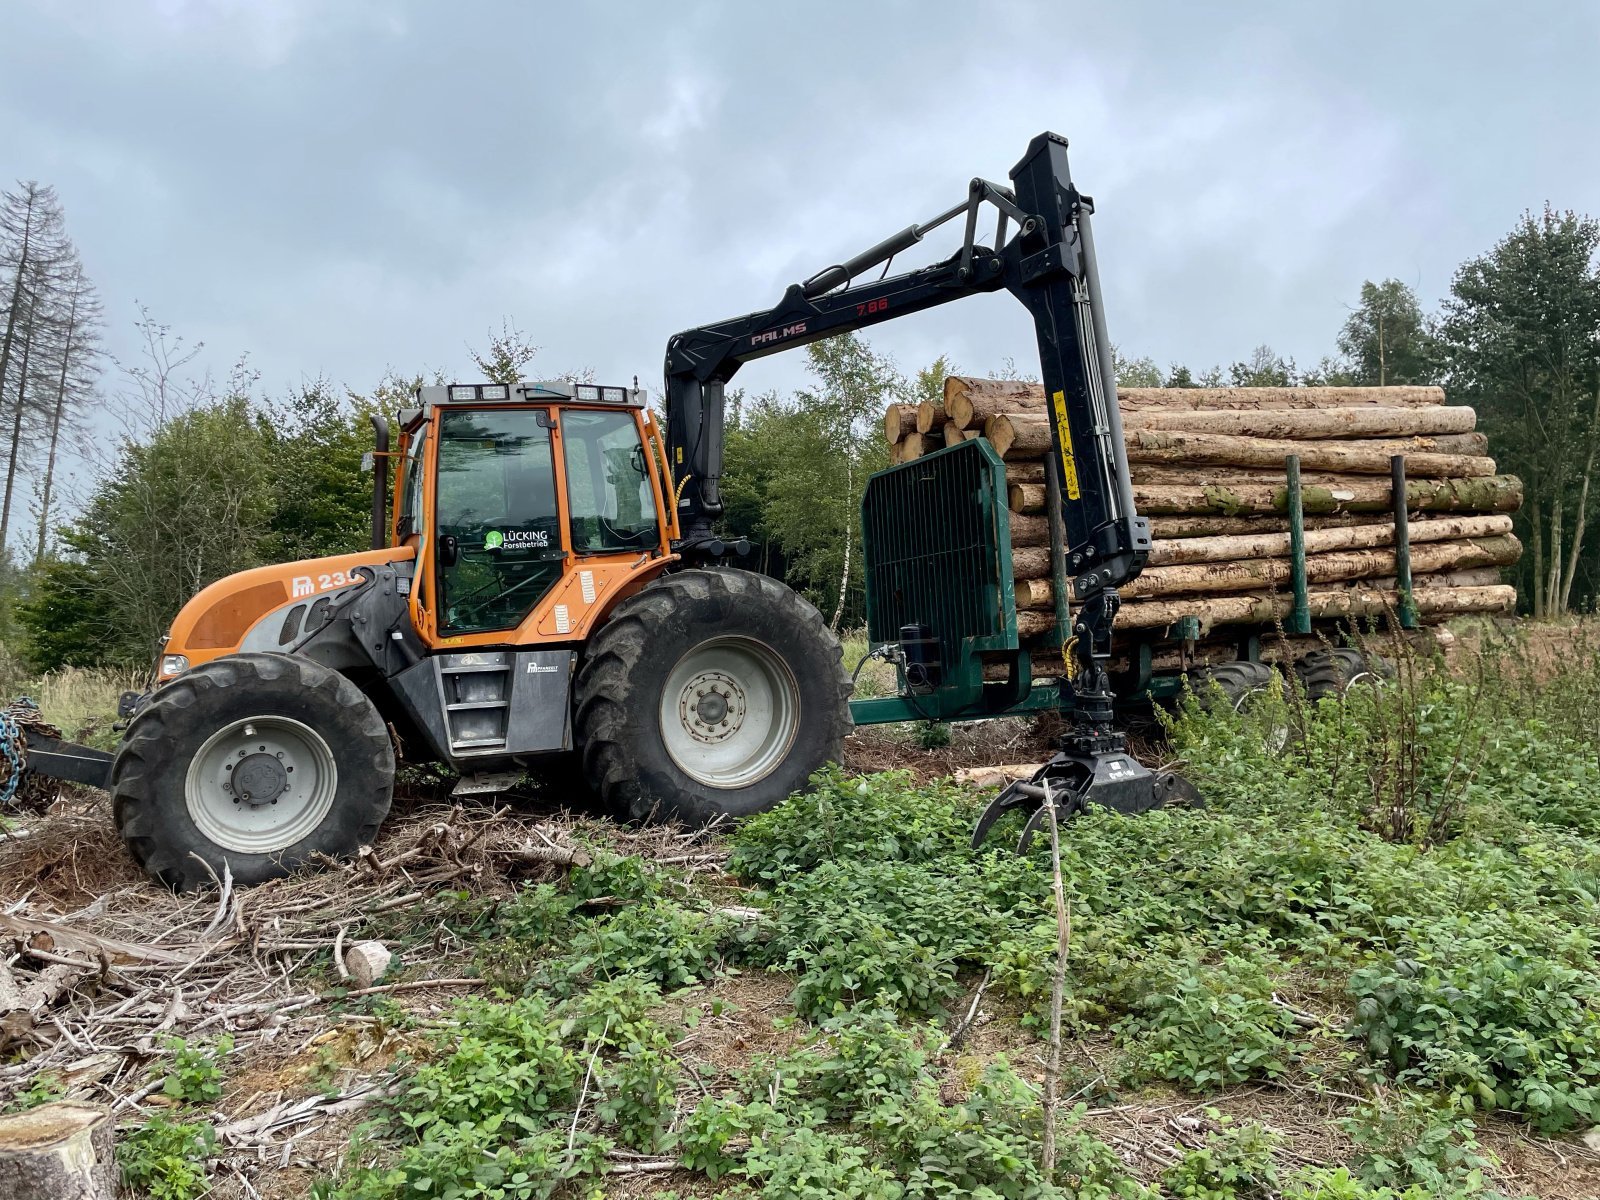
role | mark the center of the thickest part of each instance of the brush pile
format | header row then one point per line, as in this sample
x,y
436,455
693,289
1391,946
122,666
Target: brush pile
x,y
1209,471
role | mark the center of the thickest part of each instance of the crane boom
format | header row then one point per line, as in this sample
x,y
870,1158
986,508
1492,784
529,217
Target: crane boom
x,y
1048,263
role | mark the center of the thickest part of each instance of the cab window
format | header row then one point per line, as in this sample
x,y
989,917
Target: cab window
x,y
609,497
499,547
411,491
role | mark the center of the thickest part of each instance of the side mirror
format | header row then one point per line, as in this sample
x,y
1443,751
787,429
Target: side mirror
x,y
449,550
368,462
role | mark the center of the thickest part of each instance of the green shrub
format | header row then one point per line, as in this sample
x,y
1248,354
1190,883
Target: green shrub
x,y
195,1076
166,1159
658,939
43,1089
1492,1023
1411,1141
1234,1163
1209,1025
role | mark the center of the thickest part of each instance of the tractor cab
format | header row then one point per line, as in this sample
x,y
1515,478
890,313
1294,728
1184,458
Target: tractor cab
x,y
528,507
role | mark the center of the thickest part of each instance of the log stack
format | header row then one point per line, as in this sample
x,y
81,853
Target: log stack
x,y
1208,470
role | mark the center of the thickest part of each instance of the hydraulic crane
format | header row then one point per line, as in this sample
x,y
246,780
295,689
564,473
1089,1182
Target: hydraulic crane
x,y
1048,263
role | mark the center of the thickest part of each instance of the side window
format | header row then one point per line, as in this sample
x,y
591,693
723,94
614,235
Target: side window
x,y
499,545
611,503
411,493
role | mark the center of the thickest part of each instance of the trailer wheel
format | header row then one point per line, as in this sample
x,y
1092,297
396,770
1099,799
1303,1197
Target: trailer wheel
x,y
1335,671
710,693
255,762
1237,686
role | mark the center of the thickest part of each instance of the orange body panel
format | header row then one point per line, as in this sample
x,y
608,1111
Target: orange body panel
x,y
217,619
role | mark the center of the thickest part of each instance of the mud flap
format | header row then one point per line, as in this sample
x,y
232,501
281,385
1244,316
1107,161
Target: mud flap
x,y
1073,782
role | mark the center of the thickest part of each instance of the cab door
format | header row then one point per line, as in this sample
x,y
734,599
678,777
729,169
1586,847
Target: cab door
x,y
497,519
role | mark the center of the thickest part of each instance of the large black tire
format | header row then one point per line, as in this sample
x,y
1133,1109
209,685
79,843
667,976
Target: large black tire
x,y
1232,684
1334,671
171,811
689,629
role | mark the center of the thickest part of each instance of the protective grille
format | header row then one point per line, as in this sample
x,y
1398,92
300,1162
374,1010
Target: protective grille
x,y
934,529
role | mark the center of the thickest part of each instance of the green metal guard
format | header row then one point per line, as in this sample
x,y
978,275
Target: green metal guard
x,y
1300,615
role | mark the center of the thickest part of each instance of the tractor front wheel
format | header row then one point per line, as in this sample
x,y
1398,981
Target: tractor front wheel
x,y
710,693
251,763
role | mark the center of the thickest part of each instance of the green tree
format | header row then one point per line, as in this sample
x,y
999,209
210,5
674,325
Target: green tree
x,y
1264,368
322,502
1521,338
177,512
1135,372
1388,338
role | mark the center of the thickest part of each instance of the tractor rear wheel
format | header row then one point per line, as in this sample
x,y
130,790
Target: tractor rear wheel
x,y
253,763
710,693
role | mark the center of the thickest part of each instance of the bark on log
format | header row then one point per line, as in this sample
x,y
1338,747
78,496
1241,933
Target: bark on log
x,y
899,420
1350,602
59,1151
1024,497
1231,547
1164,528
1029,531
1263,573
1312,424
1036,624
1364,457
1024,472
930,415
965,398
1494,493
1030,562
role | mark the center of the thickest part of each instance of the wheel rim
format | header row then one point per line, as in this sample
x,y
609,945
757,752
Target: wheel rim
x,y
729,712
261,784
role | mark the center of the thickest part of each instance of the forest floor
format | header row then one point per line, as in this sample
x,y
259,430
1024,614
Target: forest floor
x,y
1369,963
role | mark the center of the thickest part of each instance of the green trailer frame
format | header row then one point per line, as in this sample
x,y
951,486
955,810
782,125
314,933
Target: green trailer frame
x,y
937,547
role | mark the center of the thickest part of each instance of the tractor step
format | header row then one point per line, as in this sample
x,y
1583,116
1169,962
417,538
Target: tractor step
x,y
487,783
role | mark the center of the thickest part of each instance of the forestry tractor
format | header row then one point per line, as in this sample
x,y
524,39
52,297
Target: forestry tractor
x,y
547,589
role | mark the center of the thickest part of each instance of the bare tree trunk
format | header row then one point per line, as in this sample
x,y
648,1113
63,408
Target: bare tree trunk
x,y
849,539
1552,581
1583,506
15,455
24,265
1536,526
55,418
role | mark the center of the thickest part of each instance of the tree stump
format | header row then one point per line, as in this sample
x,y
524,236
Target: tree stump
x,y
60,1151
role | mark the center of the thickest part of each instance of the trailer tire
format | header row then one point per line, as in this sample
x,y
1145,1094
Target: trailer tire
x,y
710,693
1233,684
173,778
1333,672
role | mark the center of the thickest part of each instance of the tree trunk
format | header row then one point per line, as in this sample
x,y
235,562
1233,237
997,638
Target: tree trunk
x,y
1166,528
1339,565
1312,424
59,1151
930,416
971,401
24,265
1551,582
14,457
1366,457
849,539
911,447
1583,505
899,420
1030,562
1327,604
1018,435
1536,526
1035,593
952,435
1234,547
67,348
1496,493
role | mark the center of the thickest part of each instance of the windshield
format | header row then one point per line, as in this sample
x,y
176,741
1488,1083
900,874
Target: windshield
x,y
609,496
499,530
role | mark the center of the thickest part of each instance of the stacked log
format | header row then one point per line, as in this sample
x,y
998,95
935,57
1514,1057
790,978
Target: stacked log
x,y
1208,470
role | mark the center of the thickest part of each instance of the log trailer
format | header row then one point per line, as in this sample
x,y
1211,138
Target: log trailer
x,y
546,590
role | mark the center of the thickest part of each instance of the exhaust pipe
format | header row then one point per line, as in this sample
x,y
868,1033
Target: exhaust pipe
x,y
380,481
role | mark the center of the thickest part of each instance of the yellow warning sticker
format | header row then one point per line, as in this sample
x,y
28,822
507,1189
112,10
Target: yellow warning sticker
x,y
1069,466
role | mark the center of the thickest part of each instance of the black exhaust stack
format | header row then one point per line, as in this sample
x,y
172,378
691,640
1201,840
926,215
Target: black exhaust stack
x,y
380,481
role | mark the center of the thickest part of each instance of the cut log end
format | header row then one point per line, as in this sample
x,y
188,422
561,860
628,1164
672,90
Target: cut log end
x,y
58,1150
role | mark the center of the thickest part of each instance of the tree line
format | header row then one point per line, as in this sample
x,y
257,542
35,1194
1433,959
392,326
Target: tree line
x,y
205,477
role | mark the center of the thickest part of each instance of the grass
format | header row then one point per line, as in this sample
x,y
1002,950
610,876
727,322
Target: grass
x,y
1393,920
81,702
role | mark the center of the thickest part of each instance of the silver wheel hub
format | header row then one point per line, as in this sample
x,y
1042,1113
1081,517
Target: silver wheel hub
x,y
729,712
712,707
261,785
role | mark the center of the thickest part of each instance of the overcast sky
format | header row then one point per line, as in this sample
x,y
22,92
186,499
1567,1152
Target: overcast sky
x,y
339,186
